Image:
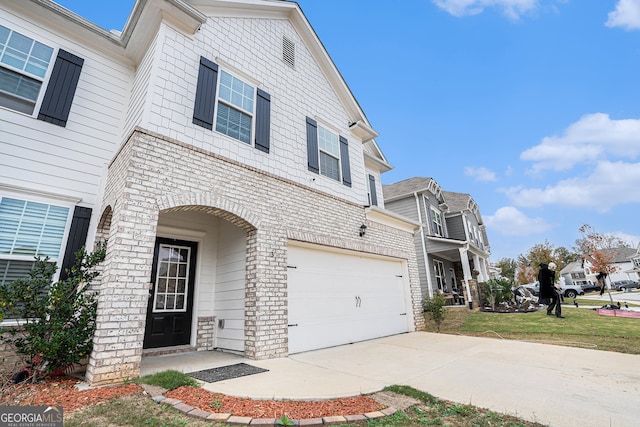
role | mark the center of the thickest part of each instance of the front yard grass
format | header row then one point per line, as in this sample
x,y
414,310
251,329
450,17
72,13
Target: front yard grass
x,y
581,328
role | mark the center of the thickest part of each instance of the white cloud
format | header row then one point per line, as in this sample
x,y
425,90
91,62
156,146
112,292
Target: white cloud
x,y
480,174
510,221
626,15
609,185
512,8
592,138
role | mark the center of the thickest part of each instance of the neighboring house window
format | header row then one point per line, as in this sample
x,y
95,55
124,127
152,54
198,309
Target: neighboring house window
x,y
436,222
327,153
241,110
636,262
373,196
438,269
23,65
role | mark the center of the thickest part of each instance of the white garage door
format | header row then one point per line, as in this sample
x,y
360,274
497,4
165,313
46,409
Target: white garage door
x,y
342,297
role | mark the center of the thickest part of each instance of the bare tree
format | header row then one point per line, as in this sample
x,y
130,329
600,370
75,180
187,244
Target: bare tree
x,y
595,249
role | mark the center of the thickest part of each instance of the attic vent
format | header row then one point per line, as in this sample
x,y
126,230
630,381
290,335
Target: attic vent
x,y
288,51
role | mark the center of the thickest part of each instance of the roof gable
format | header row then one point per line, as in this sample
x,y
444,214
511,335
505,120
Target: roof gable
x,y
410,186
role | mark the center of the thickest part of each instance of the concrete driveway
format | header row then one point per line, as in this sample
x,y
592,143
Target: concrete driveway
x,y
554,385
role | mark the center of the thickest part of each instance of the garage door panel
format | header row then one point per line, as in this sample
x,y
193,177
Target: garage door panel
x,y
341,297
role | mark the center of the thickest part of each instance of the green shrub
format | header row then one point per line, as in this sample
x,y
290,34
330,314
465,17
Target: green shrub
x,y
59,319
434,306
497,291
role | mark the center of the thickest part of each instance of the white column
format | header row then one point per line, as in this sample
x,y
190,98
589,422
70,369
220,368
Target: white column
x,y
466,269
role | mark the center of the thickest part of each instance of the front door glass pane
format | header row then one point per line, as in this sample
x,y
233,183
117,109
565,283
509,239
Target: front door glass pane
x,y
171,276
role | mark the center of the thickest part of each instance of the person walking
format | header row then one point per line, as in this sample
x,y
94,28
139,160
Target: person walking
x,y
548,292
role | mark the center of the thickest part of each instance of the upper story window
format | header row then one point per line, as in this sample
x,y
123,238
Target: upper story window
x,y
373,195
436,222
242,111
23,66
328,153
636,262
235,107
329,146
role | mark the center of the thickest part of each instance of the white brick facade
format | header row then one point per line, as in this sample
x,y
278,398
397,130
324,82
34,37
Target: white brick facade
x,y
153,174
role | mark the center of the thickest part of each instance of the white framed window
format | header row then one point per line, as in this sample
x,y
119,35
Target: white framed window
x,y
436,222
438,271
23,66
30,229
235,110
329,153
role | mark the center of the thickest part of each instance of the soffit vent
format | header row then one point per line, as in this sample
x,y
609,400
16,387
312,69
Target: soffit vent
x,y
288,52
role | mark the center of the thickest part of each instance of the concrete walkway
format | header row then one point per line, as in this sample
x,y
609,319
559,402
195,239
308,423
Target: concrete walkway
x,y
554,385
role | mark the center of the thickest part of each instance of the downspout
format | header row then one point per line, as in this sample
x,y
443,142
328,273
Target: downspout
x,y
424,248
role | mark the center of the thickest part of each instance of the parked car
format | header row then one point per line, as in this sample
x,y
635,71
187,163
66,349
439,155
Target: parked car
x,y
621,285
569,291
590,287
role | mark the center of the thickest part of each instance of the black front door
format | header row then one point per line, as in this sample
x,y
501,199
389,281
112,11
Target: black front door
x,y
169,313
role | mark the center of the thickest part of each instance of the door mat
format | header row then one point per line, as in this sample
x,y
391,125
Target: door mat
x,y
226,372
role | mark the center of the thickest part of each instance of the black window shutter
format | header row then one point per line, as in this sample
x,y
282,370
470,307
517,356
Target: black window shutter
x,y
57,100
372,190
205,93
77,238
312,145
344,157
263,120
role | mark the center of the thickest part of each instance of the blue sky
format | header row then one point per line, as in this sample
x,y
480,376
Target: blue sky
x,y
530,106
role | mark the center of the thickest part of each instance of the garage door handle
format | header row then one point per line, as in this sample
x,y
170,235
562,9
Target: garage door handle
x,y
295,324
358,302
403,314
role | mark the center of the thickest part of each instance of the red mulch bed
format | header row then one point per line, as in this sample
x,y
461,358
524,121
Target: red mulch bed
x,y
293,409
62,391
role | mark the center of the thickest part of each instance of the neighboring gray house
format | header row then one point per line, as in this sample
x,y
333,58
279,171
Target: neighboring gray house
x,y
634,272
626,260
452,246
574,273
218,149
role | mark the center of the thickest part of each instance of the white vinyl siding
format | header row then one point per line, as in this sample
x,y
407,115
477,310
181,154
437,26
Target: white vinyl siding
x,y
229,299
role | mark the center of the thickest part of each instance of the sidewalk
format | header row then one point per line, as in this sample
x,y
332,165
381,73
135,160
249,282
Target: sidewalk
x,y
554,385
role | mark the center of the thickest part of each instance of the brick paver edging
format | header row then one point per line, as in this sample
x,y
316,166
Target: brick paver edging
x,y
264,422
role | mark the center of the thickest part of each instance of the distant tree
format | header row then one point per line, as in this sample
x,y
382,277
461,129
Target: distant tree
x,y
605,241
595,247
507,268
565,256
528,265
